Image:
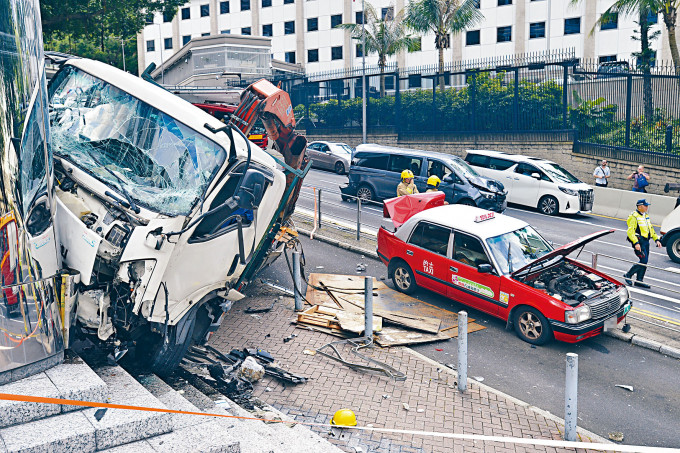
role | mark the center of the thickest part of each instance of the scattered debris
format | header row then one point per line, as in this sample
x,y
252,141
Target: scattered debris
x,y
289,337
451,365
616,437
99,413
268,389
382,278
180,391
319,267
361,267
420,411
533,346
309,352
627,387
250,310
256,316
283,289
369,364
479,378
437,349
222,403
405,406
251,370
385,396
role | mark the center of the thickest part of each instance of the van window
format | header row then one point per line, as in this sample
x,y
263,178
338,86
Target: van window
x,y
400,163
477,160
468,250
431,237
371,160
500,164
434,167
527,169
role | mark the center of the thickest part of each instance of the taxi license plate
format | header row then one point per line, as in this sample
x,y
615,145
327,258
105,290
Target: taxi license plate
x,y
610,323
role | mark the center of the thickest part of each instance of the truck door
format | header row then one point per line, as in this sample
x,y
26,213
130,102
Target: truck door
x,y
468,285
426,254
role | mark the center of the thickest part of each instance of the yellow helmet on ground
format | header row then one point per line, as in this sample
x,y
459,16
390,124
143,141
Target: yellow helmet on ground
x,y
406,174
344,417
433,181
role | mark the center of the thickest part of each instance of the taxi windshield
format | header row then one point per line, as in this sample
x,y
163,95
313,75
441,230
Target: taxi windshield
x,y
518,248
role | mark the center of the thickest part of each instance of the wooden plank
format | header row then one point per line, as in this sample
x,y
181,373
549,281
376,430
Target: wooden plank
x,y
394,336
423,323
354,322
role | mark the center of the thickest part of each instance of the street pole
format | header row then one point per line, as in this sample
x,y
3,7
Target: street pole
x,y
570,398
368,308
122,45
363,70
160,43
462,351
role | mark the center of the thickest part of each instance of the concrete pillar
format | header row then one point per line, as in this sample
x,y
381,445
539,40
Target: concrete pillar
x,y
300,29
214,14
589,19
520,31
347,18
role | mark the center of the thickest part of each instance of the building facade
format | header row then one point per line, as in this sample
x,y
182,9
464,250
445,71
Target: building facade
x,y
305,31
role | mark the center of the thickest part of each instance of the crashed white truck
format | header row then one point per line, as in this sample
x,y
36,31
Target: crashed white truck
x,y
164,213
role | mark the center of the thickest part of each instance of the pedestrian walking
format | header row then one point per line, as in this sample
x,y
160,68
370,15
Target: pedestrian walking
x,y
602,174
640,179
640,231
406,186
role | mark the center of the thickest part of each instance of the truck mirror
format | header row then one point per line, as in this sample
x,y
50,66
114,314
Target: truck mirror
x,y
251,190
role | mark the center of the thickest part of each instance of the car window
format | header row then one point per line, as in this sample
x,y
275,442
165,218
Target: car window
x,y
500,164
528,170
560,173
370,160
325,148
431,237
437,168
400,163
478,160
469,250
312,146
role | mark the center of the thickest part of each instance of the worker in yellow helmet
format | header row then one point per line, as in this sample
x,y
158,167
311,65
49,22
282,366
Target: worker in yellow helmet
x,y
433,183
406,186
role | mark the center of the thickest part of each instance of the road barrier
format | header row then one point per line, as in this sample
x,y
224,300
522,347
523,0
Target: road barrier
x,y
620,203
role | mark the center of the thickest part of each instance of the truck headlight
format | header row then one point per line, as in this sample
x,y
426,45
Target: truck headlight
x,y
623,295
568,191
577,315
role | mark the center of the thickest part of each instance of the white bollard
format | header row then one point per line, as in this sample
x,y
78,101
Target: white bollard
x,y
368,308
570,397
462,350
297,281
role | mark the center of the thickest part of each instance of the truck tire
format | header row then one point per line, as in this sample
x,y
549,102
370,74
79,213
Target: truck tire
x,y
673,246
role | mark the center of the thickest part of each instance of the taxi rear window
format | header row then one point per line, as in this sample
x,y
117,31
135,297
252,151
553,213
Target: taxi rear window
x,y
431,237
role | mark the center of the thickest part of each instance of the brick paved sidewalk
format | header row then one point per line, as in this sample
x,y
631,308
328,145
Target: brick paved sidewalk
x,y
433,400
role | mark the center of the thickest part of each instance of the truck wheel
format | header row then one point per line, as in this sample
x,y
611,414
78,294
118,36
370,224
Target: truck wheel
x,y
531,326
673,247
365,192
549,205
403,277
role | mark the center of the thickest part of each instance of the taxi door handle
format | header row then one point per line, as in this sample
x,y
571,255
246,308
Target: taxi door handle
x,y
453,269
409,253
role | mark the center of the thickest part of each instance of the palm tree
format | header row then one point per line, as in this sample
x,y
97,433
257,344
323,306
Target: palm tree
x,y
443,17
383,36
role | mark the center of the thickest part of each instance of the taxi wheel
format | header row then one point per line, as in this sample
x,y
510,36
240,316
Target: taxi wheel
x,y
403,278
531,326
549,205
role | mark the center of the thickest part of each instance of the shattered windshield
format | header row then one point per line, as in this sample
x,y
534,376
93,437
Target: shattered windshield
x,y
518,248
122,141
463,167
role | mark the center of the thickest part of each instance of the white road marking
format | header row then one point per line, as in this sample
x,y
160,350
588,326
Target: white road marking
x,y
341,223
621,271
673,269
658,296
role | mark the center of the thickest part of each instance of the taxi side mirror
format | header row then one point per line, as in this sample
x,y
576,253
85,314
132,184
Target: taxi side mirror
x,y
485,269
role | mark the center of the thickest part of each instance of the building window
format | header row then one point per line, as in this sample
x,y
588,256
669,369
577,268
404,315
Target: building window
x,y
288,2
151,46
186,39
245,5
612,23
205,34
504,2
167,17
224,7
537,30
478,4
606,59
336,20
149,19
167,43
359,53
336,53
359,17
186,13
289,27
225,32
246,31
205,10
290,57
472,38
504,34
389,82
572,26
652,18
388,13
266,3
312,55
267,30
313,24
414,81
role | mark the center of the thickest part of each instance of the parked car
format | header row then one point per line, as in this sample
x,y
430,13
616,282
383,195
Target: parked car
x,y
534,182
330,156
612,69
502,266
670,227
376,172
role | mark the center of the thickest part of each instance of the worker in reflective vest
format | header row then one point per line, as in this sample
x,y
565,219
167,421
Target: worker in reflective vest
x,y
640,231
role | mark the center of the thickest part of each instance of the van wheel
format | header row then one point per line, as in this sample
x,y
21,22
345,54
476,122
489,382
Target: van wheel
x,y
531,326
366,193
467,202
673,247
549,205
403,277
340,168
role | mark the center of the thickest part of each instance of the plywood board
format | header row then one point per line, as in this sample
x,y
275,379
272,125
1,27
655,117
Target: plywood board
x,y
355,322
394,336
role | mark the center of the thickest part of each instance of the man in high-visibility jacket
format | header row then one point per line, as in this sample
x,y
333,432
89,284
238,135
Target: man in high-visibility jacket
x,y
640,231
406,186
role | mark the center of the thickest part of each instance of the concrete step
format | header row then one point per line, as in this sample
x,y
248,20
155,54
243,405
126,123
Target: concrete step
x,y
73,379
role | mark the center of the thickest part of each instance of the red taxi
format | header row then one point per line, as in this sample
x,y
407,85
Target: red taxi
x,y
502,266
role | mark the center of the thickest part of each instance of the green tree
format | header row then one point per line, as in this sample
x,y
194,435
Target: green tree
x,y
383,36
112,53
444,18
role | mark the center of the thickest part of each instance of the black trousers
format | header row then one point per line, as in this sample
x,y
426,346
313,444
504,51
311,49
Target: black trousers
x,y
640,268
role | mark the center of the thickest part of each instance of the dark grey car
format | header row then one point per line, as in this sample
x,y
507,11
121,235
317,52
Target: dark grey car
x,y
376,171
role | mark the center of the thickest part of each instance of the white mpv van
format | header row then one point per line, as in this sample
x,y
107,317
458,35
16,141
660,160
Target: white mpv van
x,y
534,182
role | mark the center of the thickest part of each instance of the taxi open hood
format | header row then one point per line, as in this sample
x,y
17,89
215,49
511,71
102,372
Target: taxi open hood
x,y
400,209
565,250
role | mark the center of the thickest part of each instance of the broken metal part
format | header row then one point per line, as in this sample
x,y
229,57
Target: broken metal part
x,y
283,289
250,310
380,367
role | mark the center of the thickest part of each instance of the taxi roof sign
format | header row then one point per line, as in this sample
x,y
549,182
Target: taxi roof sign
x,y
486,216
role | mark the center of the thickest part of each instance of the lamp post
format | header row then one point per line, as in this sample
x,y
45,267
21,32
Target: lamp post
x,y
160,44
122,45
363,70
